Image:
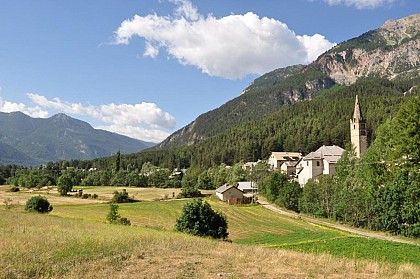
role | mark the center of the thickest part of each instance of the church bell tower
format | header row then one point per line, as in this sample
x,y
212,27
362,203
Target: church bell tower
x,y
358,130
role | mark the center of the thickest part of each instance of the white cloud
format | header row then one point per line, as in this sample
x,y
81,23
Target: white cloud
x,y
37,112
361,4
150,135
230,47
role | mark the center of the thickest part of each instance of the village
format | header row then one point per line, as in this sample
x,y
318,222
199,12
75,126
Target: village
x,y
298,167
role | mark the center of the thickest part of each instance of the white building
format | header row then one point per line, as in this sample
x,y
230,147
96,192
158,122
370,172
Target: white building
x,y
319,162
227,192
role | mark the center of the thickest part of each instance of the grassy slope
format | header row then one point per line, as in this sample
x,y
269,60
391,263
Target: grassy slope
x,y
151,245
45,246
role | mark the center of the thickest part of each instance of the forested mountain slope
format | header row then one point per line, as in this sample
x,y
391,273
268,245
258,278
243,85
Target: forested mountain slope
x,y
391,51
302,126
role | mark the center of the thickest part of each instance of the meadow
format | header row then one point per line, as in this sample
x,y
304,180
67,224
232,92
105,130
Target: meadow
x,y
75,239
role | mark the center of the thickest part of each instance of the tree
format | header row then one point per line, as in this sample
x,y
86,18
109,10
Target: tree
x,y
114,217
117,161
39,204
64,184
198,218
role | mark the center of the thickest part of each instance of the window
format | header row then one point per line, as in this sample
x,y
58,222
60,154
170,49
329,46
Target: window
x,y
317,163
363,132
307,163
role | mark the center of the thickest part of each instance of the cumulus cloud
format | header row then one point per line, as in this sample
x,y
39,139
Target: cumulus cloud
x,y
37,112
361,4
230,47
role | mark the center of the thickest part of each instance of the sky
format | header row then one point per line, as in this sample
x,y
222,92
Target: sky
x,y
146,68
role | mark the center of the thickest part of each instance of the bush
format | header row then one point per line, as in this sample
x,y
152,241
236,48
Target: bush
x,y
39,204
198,218
14,189
189,192
121,197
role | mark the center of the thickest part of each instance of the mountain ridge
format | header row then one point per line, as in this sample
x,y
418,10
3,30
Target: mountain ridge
x,y
33,141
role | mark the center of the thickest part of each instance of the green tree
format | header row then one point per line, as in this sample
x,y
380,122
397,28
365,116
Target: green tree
x,y
64,184
114,217
39,204
198,218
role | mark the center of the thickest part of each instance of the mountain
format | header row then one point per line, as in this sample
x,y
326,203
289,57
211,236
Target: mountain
x,y
33,141
391,51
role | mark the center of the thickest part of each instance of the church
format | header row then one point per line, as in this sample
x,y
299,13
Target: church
x,y
324,160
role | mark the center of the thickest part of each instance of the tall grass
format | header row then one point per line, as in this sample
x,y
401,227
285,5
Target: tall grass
x,y
255,225
45,246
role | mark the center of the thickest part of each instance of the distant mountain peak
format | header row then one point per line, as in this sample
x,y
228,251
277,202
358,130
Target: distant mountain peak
x,y
34,141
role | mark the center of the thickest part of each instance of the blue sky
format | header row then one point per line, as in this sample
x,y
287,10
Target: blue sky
x,y
145,68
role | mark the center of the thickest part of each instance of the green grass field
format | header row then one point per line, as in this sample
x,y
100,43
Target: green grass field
x,y
249,226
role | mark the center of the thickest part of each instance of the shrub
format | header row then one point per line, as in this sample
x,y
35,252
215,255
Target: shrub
x,y
121,197
39,204
189,192
14,189
198,218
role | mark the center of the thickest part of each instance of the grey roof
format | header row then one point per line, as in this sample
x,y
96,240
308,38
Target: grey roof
x,y
224,188
330,153
286,156
247,185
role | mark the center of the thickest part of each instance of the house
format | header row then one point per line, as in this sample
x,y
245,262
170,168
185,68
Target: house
x,y
276,159
319,162
247,186
289,168
227,192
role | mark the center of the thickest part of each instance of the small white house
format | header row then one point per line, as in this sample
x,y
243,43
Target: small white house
x,y
319,162
227,192
276,159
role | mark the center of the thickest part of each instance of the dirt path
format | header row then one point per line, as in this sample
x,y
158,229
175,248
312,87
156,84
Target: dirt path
x,y
364,233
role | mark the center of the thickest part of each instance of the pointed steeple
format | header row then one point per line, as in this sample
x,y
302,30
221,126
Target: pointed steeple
x,y
357,115
358,131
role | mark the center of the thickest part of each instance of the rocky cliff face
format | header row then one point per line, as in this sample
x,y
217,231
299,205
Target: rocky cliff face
x,y
392,51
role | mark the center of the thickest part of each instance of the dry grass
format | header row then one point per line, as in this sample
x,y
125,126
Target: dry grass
x,y
42,246
105,194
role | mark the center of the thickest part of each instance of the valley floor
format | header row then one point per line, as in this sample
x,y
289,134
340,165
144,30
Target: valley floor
x,y
74,241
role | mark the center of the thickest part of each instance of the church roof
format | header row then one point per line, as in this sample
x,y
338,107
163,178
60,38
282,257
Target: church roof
x,y
330,153
357,115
